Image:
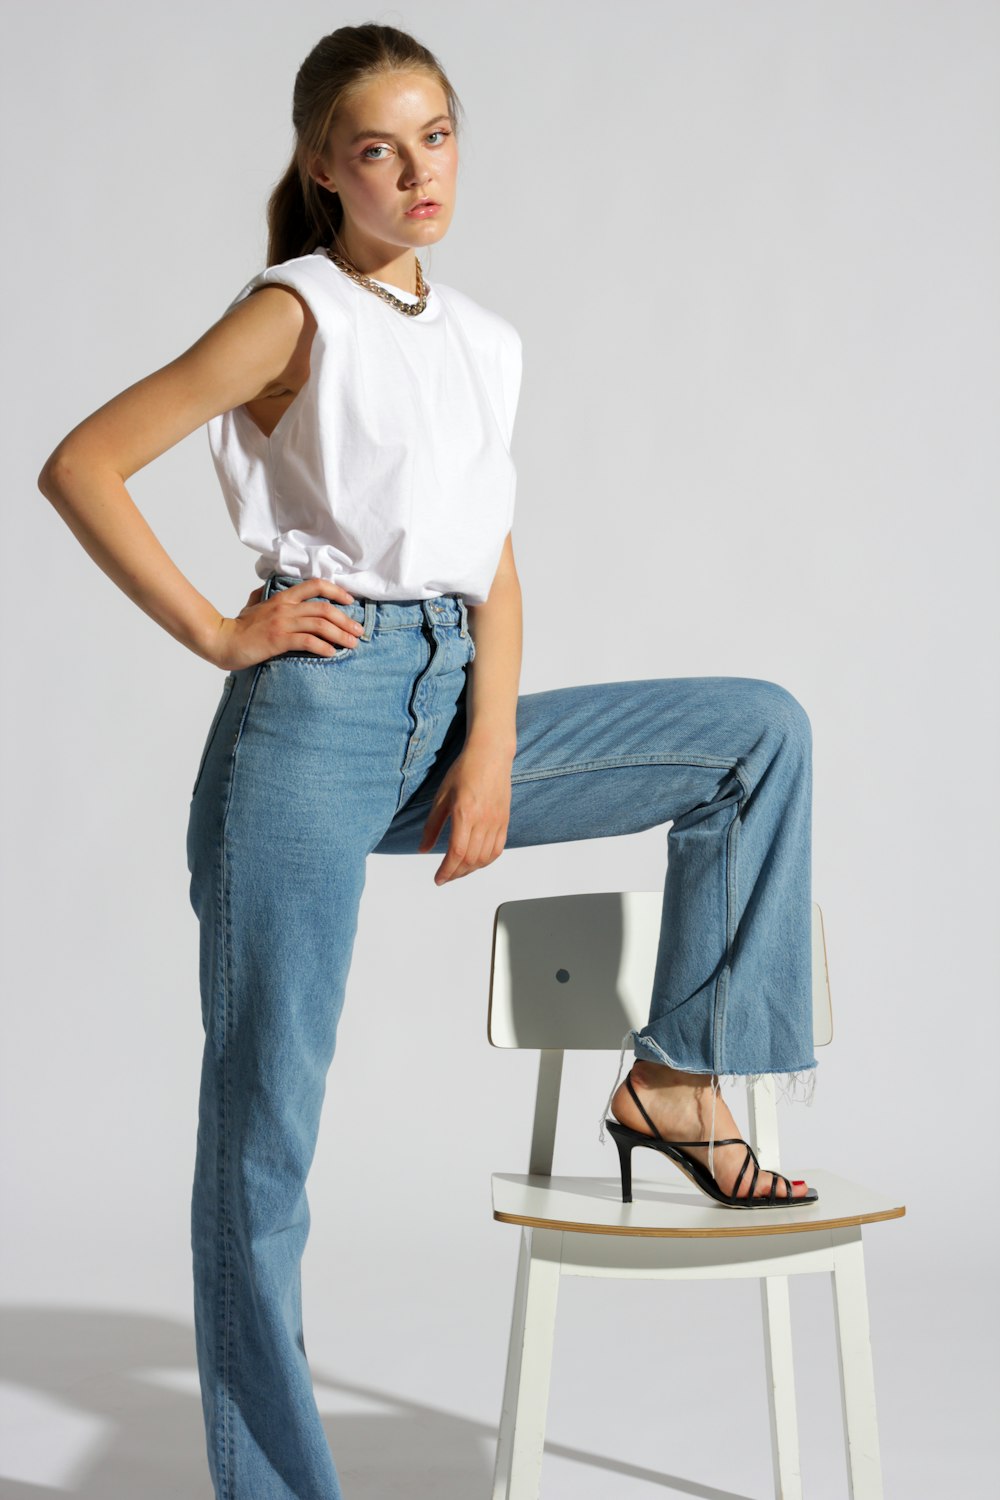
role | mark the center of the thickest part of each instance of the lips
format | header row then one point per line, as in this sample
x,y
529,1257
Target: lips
x,y
420,201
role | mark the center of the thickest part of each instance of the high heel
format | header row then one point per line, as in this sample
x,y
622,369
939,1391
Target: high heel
x,y
626,1139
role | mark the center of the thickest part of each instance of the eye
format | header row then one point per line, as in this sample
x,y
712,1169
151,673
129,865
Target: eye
x,y
441,132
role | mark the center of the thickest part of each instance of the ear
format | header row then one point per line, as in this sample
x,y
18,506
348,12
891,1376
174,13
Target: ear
x,y
319,174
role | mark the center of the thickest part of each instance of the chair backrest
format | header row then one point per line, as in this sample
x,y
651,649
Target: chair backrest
x,y
576,972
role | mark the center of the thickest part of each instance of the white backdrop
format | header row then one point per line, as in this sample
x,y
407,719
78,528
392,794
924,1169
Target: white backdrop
x,y
751,249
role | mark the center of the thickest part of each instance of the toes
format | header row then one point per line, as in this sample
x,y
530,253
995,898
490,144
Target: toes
x,y
798,1188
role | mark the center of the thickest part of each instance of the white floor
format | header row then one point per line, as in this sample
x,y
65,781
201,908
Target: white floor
x,y
653,1393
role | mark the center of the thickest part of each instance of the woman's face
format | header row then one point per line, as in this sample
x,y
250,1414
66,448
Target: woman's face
x,y
393,143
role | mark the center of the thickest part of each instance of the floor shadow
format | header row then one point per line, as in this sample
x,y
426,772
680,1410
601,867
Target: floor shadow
x,y
104,1405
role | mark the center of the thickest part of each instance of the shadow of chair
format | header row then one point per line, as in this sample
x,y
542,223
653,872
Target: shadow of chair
x,y
573,973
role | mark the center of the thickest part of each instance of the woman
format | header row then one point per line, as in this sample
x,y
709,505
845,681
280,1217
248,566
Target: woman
x,y
360,423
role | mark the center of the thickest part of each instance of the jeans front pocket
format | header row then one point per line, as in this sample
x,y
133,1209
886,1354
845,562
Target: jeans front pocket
x,y
227,688
313,658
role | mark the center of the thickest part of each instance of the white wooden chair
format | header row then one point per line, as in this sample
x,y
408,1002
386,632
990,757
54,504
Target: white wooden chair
x,y
576,972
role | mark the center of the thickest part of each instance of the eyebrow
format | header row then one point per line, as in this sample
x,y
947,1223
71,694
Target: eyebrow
x,y
361,134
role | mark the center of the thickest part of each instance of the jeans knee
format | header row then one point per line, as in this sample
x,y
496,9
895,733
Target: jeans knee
x,y
780,710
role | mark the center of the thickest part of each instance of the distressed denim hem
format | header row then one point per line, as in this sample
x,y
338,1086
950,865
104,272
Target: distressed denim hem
x,y
796,1085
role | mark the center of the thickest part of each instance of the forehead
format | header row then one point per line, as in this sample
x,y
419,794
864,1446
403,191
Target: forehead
x,y
391,102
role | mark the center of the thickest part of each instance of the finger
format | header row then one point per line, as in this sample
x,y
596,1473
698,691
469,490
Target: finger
x,y
476,849
337,627
432,828
466,853
482,846
327,586
449,869
334,615
299,641
452,862
492,848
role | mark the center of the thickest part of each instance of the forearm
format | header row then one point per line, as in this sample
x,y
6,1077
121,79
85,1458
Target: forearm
x,y
103,517
495,674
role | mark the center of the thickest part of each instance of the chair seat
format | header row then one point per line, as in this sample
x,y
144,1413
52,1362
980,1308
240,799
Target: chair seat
x,y
670,1206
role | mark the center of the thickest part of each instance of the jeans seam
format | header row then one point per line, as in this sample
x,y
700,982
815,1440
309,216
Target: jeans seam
x,y
213,731
319,660
722,983
226,1424
609,763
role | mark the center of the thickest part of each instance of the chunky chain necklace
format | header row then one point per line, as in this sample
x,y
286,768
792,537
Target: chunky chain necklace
x,y
411,309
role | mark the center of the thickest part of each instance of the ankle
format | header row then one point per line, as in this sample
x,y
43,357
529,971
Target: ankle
x,y
661,1075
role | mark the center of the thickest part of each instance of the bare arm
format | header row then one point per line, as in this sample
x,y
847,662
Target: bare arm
x,y
495,674
254,350
475,791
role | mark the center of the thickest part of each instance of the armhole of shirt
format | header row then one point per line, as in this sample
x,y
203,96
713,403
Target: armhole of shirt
x,y
511,364
281,275
289,286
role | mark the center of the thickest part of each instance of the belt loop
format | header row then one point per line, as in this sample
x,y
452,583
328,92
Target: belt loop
x,y
463,615
369,626
267,587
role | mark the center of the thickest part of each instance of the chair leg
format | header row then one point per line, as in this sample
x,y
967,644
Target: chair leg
x,y
521,1439
501,1472
776,1312
854,1352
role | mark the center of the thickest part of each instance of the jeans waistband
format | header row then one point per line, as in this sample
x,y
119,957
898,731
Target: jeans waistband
x,y
389,614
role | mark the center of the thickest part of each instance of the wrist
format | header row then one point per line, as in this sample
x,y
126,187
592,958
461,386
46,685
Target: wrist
x,y
501,744
211,636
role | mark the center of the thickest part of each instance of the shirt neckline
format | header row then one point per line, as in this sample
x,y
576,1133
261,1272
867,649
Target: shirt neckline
x,y
397,291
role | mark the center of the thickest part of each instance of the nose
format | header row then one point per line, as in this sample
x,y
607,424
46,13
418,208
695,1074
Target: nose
x,y
416,171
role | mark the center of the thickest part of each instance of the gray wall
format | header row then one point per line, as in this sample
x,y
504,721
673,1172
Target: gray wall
x,y
751,249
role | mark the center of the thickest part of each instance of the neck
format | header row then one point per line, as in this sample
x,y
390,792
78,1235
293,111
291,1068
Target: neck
x,y
399,270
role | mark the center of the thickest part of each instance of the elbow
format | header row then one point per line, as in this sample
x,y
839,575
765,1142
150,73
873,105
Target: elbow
x,y
54,476
48,476
69,468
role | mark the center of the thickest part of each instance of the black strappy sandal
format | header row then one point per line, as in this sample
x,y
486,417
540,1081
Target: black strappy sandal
x,y
625,1139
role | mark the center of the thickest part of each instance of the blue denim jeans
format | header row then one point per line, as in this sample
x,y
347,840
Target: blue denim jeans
x,y
311,763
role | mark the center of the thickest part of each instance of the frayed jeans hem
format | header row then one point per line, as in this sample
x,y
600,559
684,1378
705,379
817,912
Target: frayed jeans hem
x,y
796,1085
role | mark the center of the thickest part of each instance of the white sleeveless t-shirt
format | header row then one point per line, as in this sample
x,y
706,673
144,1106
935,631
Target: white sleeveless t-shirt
x,y
390,471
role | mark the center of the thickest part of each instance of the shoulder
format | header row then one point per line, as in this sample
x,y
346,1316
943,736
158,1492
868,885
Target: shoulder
x,y
309,275
482,322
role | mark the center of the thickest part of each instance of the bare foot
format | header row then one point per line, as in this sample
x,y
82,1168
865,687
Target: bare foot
x,y
680,1106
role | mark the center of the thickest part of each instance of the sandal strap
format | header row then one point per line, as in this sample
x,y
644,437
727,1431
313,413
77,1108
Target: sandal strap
x,y
751,1154
642,1108
730,1140
736,1140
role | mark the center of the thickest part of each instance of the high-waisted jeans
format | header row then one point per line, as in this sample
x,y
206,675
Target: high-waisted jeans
x,y
311,763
